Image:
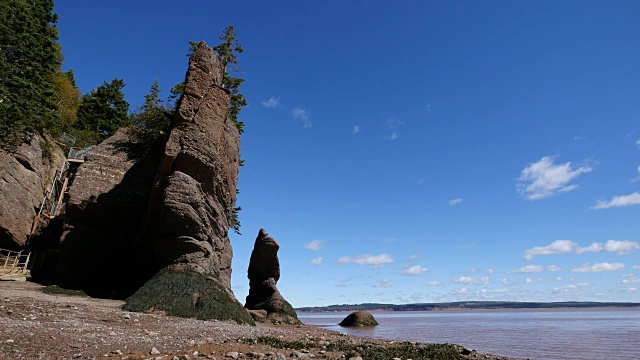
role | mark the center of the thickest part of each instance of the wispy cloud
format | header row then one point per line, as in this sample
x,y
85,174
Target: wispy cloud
x,y
454,202
356,129
414,257
569,289
394,124
414,270
579,137
316,261
434,283
529,269
375,261
472,280
271,102
629,289
556,247
302,114
619,201
598,267
629,279
382,283
553,268
636,179
544,179
623,247
314,245
489,272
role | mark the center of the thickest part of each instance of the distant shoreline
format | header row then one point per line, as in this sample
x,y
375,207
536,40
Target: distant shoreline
x,y
469,305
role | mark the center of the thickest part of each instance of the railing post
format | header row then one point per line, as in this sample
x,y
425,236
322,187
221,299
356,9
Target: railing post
x,y
6,261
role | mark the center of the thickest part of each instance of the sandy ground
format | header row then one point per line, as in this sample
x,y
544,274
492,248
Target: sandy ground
x,y
34,325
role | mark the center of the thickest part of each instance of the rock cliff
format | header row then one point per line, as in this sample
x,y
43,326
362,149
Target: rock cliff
x,y
105,207
25,177
192,201
264,300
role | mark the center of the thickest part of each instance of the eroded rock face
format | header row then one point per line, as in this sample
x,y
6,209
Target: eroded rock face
x,y
195,188
25,177
194,194
105,207
264,273
359,319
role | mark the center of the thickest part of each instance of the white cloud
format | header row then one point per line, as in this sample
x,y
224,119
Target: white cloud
x,y
489,272
529,269
356,129
629,289
638,142
472,280
271,102
533,281
599,267
556,247
376,261
454,202
414,270
509,281
622,247
382,283
568,289
316,261
302,114
543,178
462,291
434,283
618,201
553,268
629,279
595,247
394,136
314,245
636,267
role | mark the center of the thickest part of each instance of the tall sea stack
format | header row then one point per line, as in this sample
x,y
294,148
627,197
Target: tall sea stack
x,y
264,299
191,204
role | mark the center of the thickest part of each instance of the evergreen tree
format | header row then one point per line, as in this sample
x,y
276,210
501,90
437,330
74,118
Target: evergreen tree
x,y
104,110
227,51
29,58
174,98
152,116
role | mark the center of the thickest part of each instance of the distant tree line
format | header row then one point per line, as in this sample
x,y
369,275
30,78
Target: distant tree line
x,y
36,96
465,305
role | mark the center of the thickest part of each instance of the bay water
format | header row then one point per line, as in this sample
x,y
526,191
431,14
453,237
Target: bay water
x,y
585,334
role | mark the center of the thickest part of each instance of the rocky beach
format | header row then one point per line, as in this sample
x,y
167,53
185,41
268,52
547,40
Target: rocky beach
x,y
35,325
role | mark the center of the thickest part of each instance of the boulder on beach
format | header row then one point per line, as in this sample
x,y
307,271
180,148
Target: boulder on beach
x,y
359,319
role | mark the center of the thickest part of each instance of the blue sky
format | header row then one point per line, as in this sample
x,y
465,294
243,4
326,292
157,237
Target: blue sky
x,y
413,151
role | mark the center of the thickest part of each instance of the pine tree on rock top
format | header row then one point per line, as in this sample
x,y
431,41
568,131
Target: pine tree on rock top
x,y
227,51
104,110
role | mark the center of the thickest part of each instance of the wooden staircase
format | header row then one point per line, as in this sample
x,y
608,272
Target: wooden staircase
x,y
14,265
